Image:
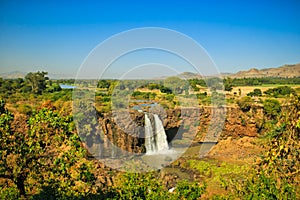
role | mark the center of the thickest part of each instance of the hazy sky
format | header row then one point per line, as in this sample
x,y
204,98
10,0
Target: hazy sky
x,y
56,36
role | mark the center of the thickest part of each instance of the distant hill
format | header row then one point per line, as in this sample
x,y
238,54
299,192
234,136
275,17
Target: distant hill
x,y
189,75
285,71
19,74
13,74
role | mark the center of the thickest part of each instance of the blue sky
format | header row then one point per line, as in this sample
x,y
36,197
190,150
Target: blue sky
x,y
56,36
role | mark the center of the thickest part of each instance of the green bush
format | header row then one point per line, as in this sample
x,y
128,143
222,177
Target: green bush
x,y
147,186
276,174
170,97
189,190
272,108
139,186
9,193
263,186
25,109
280,91
245,103
256,92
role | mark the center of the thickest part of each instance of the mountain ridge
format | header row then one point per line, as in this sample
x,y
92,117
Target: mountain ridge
x,y
284,71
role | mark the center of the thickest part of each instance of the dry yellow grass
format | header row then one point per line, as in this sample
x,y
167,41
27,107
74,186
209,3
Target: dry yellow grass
x,y
246,89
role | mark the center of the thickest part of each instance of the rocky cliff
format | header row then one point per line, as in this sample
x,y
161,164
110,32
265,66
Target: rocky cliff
x,y
126,129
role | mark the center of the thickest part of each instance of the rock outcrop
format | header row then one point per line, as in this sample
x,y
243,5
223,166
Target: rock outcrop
x,y
126,129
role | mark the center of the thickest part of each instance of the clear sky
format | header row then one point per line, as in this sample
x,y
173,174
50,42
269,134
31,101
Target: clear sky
x,y
56,36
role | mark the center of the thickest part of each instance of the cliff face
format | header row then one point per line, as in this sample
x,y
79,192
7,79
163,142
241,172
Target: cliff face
x,y
126,130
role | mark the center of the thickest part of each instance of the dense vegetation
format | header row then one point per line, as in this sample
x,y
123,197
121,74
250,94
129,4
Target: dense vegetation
x,y
42,156
264,81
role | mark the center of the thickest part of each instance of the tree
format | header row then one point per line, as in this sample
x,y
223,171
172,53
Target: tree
x,y
37,81
47,152
245,103
280,91
272,108
103,84
276,174
228,84
214,83
148,186
195,82
256,92
176,84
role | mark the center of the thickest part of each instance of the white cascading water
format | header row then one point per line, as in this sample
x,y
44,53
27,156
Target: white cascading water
x,y
155,142
161,137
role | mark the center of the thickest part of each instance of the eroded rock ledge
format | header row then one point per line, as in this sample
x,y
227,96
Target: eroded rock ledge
x,y
126,129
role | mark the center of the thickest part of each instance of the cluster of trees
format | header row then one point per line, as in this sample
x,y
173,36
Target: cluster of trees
x,y
264,80
148,186
42,157
35,83
42,153
280,91
271,107
256,93
143,95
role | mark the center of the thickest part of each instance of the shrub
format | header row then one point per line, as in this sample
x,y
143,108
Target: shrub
x,y
280,91
256,92
25,109
165,90
9,193
245,103
189,190
271,108
276,174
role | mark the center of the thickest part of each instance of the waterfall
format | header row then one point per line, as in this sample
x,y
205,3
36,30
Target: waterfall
x,y
155,140
161,137
149,136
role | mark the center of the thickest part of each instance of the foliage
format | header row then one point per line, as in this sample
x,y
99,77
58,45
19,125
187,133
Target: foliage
x,y
53,87
147,186
37,81
48,153
189,190
129,187
272,108
9,193
265,80
176,84
24,109
153,86
104,84
263,186
228,84
245,103
218,174
165,90
256,93
143,95
214,83
283,154
280,91
194,83
276,175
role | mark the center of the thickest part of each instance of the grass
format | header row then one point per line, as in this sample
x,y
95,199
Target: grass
x,y
218,175
246,89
